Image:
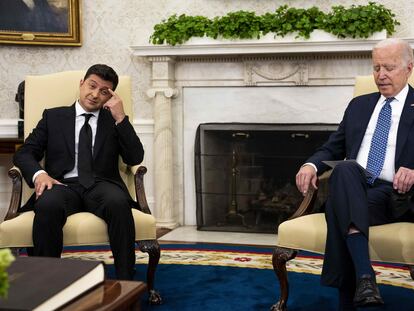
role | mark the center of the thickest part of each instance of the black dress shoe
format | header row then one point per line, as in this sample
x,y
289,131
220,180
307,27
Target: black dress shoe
x,y
367,293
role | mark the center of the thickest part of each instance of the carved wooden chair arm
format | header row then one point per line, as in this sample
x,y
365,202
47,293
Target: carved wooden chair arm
x,y
308,203
139,188
306,207
16,195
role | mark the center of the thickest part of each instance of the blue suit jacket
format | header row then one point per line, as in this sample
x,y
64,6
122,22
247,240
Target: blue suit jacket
x,y
346,141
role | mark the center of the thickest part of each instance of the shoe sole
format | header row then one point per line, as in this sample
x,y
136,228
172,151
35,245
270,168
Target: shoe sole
x,y
369,302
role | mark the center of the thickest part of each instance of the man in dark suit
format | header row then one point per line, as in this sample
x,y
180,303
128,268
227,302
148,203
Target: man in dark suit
x,y
81,145
377,133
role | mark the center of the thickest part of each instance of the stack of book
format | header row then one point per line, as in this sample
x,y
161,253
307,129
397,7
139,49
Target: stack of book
x,y
43,283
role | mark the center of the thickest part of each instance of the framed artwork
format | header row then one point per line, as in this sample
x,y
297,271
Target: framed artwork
x,y
40,22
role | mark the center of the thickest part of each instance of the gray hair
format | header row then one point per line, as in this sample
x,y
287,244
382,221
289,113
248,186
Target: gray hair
x,y
407,51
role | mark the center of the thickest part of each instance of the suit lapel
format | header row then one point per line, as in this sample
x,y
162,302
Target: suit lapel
x,y
67,121
105,122
406,121
362,124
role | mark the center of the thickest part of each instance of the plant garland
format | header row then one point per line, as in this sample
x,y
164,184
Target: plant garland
x,y
353,22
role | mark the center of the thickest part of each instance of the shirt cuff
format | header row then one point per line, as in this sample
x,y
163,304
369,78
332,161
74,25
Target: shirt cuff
x,y
37,174
311,164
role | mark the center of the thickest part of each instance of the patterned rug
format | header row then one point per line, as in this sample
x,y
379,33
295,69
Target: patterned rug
x,y
216,277
241,257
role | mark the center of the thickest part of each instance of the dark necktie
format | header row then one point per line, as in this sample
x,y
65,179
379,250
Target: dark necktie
x,y
85,170
376,155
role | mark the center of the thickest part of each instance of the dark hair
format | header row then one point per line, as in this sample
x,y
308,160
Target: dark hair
x,y
104,72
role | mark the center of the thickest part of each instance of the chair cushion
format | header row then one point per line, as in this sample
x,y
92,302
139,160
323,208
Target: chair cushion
x,y
307,233
80,229
388,243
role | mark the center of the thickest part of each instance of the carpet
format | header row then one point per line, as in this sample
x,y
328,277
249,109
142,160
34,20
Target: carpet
x,y
214,277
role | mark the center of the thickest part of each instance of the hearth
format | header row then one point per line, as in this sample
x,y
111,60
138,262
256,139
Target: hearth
x,y
245,173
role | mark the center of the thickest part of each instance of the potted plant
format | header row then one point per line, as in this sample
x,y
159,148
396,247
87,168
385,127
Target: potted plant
x,y
6,258
360,21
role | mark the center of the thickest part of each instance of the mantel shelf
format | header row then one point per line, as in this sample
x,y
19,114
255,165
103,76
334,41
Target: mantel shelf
x,y
255,48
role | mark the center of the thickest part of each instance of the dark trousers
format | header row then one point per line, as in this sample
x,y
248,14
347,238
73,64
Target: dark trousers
x,y
351,201
104,199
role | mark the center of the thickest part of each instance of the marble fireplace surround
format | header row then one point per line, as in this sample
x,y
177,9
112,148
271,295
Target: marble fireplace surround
x,y
285,82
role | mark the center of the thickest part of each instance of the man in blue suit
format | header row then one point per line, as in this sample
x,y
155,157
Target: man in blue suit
x,y
362,191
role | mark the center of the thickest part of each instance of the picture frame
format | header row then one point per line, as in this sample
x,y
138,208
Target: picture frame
x,y
45,22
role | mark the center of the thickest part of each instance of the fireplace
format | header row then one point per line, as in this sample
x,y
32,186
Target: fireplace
x,y
245,173
278,83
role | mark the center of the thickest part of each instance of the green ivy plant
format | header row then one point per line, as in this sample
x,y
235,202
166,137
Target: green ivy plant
x,y
6,258
359,21
287,20
355,22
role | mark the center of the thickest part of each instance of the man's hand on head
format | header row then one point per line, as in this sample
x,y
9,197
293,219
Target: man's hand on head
x,y
42,182
403,180
306,177
115,106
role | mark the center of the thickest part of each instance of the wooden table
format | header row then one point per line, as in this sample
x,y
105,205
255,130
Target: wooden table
x,y
111,295
9,145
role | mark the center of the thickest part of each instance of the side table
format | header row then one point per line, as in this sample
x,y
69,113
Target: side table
x,y
109,296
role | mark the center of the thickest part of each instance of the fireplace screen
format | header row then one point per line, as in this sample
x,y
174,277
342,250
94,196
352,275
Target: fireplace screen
x,y
245,173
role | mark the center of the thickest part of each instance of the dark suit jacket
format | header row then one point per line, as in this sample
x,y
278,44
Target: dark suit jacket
x,y
346,141
54,139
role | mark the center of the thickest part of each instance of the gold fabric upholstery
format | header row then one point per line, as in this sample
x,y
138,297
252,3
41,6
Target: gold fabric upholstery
x,y
388,243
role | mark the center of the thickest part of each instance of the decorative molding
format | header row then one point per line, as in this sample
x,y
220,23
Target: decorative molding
x,y
8,128
143,126
167,92
245,48
265,57
161,59
291,72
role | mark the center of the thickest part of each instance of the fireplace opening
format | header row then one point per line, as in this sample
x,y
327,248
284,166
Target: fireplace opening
x,y
245,173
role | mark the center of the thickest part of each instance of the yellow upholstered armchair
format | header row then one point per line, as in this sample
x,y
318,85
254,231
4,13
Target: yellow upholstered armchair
x,y
305,230
60,89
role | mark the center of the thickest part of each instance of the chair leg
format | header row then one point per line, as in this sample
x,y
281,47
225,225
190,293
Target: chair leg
x,y
280,257
15,251
153,249
411,269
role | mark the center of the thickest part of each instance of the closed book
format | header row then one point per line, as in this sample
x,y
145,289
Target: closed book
x,y
44,283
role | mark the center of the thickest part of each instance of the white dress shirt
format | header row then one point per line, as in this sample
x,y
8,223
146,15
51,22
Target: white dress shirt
x,y
397,105
79,121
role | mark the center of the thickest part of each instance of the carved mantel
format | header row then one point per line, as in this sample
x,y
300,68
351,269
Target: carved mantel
x,y
332,64
222,48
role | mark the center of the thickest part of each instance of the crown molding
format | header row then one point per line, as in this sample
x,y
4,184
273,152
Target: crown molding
x,y
8,128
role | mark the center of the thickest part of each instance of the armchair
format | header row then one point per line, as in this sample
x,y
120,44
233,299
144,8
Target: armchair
x,y
391,243
84,228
